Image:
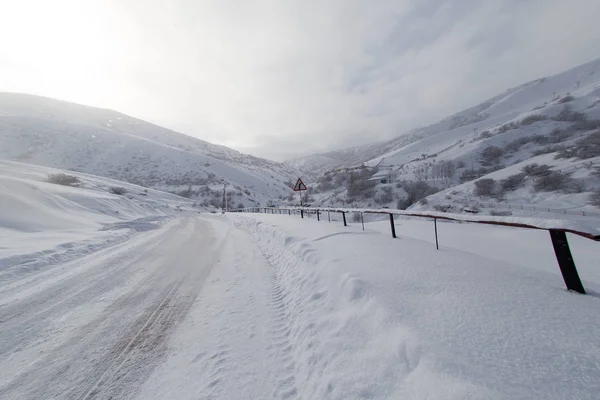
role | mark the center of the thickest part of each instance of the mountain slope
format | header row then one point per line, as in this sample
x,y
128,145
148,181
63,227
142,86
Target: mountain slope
x,y
581,81
58,134
557,116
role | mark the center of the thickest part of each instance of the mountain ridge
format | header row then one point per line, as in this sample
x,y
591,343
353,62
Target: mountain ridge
x,y
55,133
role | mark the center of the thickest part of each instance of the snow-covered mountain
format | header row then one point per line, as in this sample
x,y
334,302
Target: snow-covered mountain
x,y
64,135
556,117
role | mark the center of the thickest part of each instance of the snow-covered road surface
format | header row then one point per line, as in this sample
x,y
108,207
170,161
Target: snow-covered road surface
x,y
97,326
276,307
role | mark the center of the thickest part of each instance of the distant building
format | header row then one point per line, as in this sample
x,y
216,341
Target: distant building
x,y
388,175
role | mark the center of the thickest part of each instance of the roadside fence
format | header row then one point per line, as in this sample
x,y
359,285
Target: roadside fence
x,y
558,233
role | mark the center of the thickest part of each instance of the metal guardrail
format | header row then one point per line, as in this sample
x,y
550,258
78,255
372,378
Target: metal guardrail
x,y
538,208
557,234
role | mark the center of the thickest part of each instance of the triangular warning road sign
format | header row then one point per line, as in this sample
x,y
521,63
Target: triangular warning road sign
x,y
299,186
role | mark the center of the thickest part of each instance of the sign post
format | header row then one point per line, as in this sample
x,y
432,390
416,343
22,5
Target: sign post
x,y
299,187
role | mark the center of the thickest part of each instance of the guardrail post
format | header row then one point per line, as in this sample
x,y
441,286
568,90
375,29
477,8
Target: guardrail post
x,y
302,213
437,245
392,225
344,217
565,261
289,212
329,215
362,221
318,216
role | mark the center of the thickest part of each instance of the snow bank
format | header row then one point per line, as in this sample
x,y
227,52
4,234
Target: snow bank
x,y
43,223
374,317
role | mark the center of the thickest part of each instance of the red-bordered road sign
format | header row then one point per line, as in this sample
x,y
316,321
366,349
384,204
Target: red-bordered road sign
x,y
299,186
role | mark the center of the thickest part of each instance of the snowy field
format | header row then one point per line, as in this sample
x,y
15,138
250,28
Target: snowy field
x,y
112,297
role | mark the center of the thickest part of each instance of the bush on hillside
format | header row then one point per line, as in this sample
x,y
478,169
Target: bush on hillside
x,y
359,186
583,149
568,115
485,187
119,190
415,191
513,182
64,179
586,125
548,149
491,155
516,144
533,119
468,175
536,169
387,196
552,181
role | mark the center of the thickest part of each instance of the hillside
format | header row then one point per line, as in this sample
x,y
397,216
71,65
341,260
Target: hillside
x,y
58,134
553,121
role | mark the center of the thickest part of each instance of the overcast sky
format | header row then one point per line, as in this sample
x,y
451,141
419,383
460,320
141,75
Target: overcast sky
x,y
282,78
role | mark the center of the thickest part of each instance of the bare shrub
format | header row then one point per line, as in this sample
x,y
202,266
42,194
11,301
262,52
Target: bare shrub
x,y
533,119
64,179
552,181
516,144
187,193
513,182
586,125
387,196
491,155
442,207
485,187
119,190
536,169
468,175
356,217
548,149
415,191
567,114
359,185
583,149
577,186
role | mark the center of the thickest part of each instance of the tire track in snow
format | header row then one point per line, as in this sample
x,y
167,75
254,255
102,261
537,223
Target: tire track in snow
x,y
147,338
281,346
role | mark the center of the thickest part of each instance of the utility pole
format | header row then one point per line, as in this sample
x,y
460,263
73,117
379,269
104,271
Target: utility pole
x,y
224,197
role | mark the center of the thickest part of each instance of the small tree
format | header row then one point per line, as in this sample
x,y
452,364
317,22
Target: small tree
x,y
485,187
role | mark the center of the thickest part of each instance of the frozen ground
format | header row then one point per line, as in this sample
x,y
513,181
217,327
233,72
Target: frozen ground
x,y
170,305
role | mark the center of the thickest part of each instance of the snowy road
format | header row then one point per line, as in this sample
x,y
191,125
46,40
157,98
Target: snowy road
x,y
96,327
274,307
